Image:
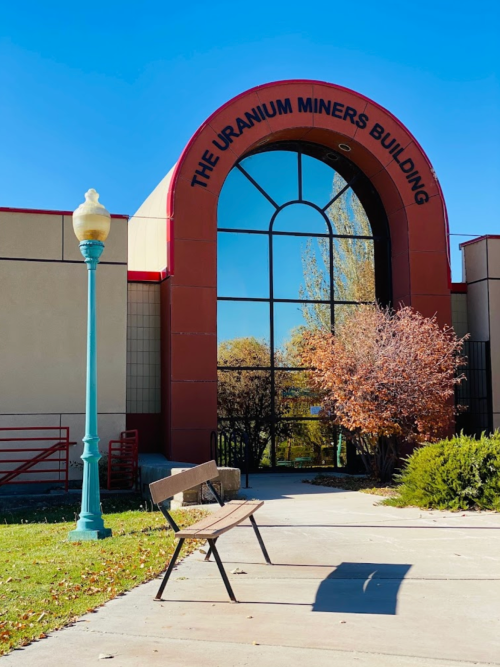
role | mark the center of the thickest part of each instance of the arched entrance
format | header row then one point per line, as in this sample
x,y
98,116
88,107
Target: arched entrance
x,y
296,250
379,162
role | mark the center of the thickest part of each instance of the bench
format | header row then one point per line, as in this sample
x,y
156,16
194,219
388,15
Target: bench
x,y
212,527
303,462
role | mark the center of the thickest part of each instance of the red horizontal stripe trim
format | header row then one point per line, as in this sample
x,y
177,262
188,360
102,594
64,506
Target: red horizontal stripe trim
x,y
147,276
143,276
40,211
459,288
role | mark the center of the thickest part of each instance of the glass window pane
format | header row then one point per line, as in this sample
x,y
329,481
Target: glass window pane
x,y
243,265
305,444
290,322
353,270
347,216
241,205
243,333
300,218
295,397
244,395
265,461
343,311
319,181
301,267
245,409
276,172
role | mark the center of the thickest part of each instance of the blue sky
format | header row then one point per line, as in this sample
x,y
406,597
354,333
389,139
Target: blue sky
x,y
107,94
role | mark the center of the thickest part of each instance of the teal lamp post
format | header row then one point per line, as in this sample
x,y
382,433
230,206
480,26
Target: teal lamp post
x,y
91,222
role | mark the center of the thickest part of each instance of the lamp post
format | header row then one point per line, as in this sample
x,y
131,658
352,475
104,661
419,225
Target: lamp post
x,y
91,222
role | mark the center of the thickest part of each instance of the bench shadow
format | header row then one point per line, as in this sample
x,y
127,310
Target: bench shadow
x,y
350,588
361,588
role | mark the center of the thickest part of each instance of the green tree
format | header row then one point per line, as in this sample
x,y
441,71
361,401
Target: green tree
x,y
353,261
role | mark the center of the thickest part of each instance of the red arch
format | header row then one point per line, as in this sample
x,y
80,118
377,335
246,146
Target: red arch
x,y
402,175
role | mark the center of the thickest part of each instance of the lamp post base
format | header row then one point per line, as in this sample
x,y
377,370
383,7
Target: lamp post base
x,y
85,535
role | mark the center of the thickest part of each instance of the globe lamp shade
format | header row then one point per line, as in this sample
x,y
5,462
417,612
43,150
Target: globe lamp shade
x,y
91,221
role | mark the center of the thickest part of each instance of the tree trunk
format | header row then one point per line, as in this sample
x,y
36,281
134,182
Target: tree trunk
x,y
386,455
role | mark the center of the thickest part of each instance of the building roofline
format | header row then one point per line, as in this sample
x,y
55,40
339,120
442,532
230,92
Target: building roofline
x,y
40,211
480,238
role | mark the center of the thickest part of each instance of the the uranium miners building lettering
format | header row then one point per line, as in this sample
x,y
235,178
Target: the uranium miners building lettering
x,y
317,105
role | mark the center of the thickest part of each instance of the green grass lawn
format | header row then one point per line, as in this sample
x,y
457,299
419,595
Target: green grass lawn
x,y
46,582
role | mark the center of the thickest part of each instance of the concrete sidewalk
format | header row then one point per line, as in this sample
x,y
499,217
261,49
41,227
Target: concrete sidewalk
x,y
353,584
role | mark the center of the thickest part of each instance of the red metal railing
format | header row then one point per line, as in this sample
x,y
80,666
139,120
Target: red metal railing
x,y
123,461
33,460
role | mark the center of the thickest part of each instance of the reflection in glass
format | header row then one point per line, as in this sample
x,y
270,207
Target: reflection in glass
x,y
243,352
244,395
295,395
319,181
354,270
241,205
244,404
342,311
301,268
317,315
306,444
290,322
243,319
276,409
346,214
242,265
276,172
300,218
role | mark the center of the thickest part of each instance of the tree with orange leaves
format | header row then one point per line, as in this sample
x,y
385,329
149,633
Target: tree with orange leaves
x,y
386,378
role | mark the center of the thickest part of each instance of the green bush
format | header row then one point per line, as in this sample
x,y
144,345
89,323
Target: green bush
x,y
457,474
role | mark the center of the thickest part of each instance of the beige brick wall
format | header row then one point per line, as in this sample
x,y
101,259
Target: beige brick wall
x,y
43,327
143,348
459,314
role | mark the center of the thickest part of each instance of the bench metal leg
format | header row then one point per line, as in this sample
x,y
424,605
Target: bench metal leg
x,y
221,570
170,568
209,552
261,541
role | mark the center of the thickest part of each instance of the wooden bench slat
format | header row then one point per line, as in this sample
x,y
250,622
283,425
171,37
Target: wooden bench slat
x,y
227,517
168,486
210,528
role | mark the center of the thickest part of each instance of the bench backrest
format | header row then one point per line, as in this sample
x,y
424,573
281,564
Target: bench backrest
x,y
168,486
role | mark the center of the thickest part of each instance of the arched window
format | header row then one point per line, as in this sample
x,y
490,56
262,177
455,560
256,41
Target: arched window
x,y
302,238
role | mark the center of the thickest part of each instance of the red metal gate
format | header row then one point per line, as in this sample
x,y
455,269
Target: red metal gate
x,y
123,461
43,451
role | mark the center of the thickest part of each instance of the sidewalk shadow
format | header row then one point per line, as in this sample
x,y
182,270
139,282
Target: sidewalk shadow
x,y
361,588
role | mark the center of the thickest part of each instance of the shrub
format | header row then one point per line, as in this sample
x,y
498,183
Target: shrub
x,y
457,474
